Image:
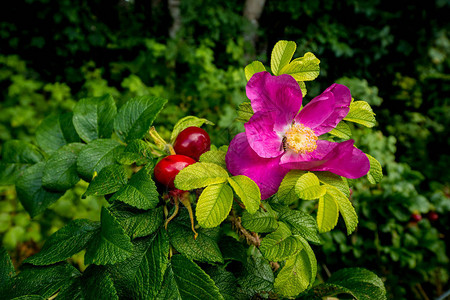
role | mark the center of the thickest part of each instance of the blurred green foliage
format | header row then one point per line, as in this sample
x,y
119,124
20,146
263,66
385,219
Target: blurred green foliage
x,y
54,52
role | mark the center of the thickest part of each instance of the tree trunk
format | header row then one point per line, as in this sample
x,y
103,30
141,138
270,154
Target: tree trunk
x,y
252,12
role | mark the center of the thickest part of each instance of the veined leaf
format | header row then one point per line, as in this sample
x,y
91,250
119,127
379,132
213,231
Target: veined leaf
x,y
337,181
254,67
185,123
7,271
136,116
342,130
327,214
261,221
361,113
281,55
137,151
302,85
65,242
199,175
308,187
376,172
224,280
286,192
244,112
214,205
280,244
215,157
93,117
345,207
304,68
111,245
257,276
247,190
109,180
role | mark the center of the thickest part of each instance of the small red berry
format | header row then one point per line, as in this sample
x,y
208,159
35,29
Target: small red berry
x,y
433,216
416,217
168,167
192,142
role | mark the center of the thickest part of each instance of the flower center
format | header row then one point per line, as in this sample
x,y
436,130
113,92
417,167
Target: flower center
x,y
301,139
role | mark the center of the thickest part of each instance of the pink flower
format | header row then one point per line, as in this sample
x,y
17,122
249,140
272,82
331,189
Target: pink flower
x,y
279,138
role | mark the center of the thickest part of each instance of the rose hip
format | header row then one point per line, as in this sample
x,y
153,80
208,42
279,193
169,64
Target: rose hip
x,y
168,167
192,142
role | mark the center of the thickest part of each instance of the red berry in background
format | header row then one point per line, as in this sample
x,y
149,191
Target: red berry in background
x,y
433,216
168,167
416,217
192,142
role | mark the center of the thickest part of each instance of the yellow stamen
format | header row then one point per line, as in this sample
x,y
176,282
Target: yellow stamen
x,y
301,139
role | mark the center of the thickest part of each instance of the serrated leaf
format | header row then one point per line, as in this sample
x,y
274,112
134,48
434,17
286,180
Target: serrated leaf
x,y
244,112
215,157
31,193
111,245
56,131
337,181
16,157
137,223
345,208
136,116
65,242
261,221
247,190
93,117
185,123
140,191
184,279
60,172
224,280
214,205
96,283
280,244
109,180
257,276
376,172
299,222
361,113
254,67
308,187
327,213
137,151
200,175
43,280
303,88
204,248
7,270
232,249
97,155
286,192
281,55
342,130
304,68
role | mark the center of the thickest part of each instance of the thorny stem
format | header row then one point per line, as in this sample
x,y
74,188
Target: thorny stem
x,y
251,238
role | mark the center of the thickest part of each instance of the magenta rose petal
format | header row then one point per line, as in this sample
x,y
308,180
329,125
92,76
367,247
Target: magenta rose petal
x,y
266,172
314,114
261,137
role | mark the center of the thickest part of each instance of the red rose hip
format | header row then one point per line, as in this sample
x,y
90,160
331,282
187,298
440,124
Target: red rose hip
x,y
192,142
416,217
433,216
168,167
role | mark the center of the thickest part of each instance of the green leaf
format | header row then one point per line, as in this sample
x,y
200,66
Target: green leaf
x,y
232,249
214,205
96,283
7,271
244,112
186,122
308,187
303,88
304,68
299,222
361,113
31,193
204,248
376,172
286,192
342,130
43,280
247,190
280,244
66,242
111,245
97,155
199,175
345,207
327,214
93,117
56,131
254,67
281,55
215,157
261,221
257,276
16,157
60,172
225,281
136,116
137,151
337,181
109,180
140,191
137,223
184,279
